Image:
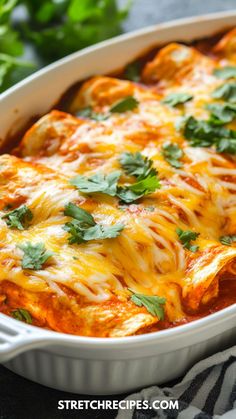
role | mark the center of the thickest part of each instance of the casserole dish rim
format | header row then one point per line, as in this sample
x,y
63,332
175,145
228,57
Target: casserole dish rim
x,y
165,334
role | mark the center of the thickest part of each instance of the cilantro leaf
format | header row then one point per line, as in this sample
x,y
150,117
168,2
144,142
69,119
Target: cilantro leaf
x,y
175,99
79,234
228,240
226,72
18,218
89,113
35,255
84,228
221,113
126,104
132,71
152,303
70,25
226,145
172,154
102,232
85,218
23,315
186,237
204,134
226,91
137,190
135,164
97,183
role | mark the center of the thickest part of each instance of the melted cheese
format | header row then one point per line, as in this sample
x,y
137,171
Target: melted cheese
x,y
147,256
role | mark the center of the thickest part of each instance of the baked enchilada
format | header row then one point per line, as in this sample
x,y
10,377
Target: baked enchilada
x,y
118,216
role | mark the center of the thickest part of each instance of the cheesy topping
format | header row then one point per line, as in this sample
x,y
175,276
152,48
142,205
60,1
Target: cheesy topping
x,y
169,245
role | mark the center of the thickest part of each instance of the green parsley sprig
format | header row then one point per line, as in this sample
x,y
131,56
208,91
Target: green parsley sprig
x,y
135,164
228,240
201,133
106,184
172,153
35,255
226,91
83,227
23,315
18,218
178,98
186,237
152,303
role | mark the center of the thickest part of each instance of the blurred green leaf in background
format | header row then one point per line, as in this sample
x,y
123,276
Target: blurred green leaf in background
x,y
53,28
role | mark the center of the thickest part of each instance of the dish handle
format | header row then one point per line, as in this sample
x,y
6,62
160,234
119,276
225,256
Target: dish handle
x,y
16,337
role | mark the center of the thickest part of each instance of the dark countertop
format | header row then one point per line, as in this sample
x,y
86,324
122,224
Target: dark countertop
x,y
20,398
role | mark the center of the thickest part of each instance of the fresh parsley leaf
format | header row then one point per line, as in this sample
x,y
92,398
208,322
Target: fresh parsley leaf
x,y
18,218
152,303
84,228
204,134
76,232
102,232
175,99
89,113
221,113
226,145
134,164
132,71
186,237
226,72
79,234
98,183
84,217
70,25
23,315
35,255
137,190
172,154
228,240
226,91
126,104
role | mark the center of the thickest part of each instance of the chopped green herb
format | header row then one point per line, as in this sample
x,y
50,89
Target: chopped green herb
x,y
84,217
35,255
152,303
226,72
132,71
226,92
135,164
204,134
137,190
23,315
186,237
18,218
126,104
228,240
221,113
89,113
226,145
60,27
175,99
84,228
172,154
106,184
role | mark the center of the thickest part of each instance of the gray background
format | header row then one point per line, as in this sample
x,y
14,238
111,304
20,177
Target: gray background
x,y
20,398
149,12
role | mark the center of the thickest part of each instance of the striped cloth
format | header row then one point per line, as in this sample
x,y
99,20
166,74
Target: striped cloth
x,y
208,391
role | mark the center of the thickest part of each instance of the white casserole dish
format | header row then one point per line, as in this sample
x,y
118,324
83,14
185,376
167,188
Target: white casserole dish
x,y
99,365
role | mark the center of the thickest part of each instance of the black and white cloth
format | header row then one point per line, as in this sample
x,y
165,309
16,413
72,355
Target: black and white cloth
x,y
208,391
